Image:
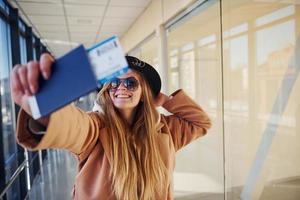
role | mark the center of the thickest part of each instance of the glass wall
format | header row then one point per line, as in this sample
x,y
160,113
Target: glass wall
x,y
194,57
148,51
240,61
87,102
13,35
262,111
34,57
23,52
8,137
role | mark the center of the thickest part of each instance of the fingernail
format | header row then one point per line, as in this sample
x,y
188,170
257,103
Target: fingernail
x,y
27,92
32,88
45,75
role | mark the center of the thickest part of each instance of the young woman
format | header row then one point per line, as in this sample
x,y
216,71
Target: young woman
x,y
125,149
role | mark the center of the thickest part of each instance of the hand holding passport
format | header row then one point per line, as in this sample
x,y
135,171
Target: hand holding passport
x,y
76,74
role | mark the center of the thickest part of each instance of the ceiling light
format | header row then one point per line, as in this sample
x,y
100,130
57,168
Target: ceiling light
x,y
59,42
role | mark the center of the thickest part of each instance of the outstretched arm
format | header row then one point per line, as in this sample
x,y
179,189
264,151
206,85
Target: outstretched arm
x,y
68,128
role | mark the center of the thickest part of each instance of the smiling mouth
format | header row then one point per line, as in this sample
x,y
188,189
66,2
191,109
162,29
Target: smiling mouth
x,y
122,96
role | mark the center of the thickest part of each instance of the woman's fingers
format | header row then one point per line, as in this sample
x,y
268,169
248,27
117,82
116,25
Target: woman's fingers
x,y
33,72
16,84
46,62
161,99
22,73
25,78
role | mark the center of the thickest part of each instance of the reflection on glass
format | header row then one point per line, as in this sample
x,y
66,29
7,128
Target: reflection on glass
x,y
87,102
22,26
236,30
187,72
4,7
256,61
174,80
207,40
148,51
194,65
8,136
34,53
282,33
275,15
23,50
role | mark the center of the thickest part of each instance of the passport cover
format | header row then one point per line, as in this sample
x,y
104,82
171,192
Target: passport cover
x,y
71,78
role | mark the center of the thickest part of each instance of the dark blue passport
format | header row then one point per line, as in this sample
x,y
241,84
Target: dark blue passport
x,y
72,77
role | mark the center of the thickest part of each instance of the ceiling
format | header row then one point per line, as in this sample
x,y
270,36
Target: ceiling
x,y
64,24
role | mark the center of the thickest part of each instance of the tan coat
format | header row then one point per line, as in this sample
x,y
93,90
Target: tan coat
x,y
84,135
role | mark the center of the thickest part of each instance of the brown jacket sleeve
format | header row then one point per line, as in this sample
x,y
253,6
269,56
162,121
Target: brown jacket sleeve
x,y
69,128
188,121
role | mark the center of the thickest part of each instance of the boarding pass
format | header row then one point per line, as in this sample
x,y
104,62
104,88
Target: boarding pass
x,y
107,60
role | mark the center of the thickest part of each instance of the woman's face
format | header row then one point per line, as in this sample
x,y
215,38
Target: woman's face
x,y
125,91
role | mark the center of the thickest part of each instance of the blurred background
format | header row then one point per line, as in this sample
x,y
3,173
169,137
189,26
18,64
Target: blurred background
x,y
239,59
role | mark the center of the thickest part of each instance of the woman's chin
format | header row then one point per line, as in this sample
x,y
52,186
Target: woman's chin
x,y
123,106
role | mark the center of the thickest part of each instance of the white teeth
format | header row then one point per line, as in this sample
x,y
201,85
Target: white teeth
x,y
122,96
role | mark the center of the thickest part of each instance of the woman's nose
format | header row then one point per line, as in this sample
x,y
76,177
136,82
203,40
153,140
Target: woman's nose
x,y
122,86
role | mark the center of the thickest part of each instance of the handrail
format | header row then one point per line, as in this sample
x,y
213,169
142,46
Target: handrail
x,y
33,158
17,172
13,178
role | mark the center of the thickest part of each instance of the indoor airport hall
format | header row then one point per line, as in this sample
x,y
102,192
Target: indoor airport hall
x,y
238,61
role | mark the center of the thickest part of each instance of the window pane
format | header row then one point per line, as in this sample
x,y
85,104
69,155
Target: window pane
x,y
34,54
87,102
8,131
261,90
23,50
22,26
4,6
148,51
194,51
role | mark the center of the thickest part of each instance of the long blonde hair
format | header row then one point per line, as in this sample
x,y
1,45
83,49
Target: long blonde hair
x,y
137,169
